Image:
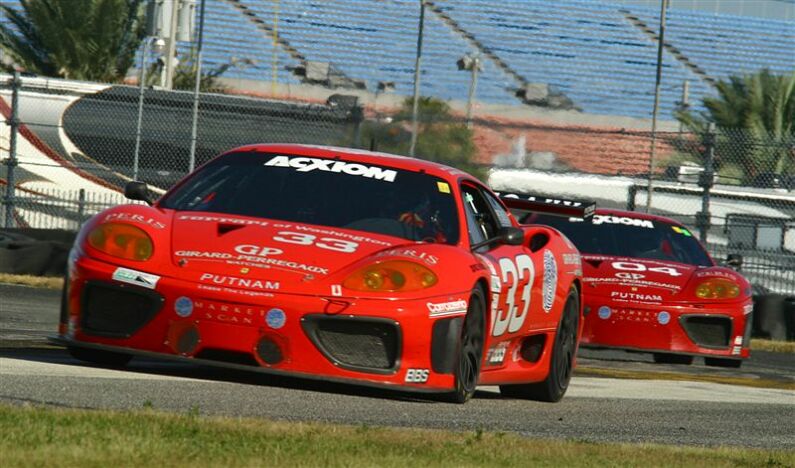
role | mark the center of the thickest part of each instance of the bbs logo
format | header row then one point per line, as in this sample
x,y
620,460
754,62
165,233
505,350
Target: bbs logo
x,y
417,375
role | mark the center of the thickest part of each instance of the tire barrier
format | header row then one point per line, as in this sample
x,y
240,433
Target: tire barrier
x,y
37,252
774,317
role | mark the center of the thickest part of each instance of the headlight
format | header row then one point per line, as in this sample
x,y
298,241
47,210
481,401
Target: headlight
x,y
121,240
390,276
717,288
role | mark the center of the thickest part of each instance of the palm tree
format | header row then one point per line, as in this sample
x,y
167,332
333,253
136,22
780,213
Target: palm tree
x,y
92,40
755,115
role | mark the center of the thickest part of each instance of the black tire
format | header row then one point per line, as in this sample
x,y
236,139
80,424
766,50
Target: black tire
x,y
102,358
561,366
666,358
722,362
470,349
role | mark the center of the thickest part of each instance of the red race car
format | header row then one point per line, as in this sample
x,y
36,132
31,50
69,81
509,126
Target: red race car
x,y
651,286
333,264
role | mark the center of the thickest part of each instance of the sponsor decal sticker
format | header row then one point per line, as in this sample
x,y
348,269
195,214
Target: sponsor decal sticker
x,y
748,308
443,187
417,375
572,259
736,350
738,340
138,278
238,282
336,290
228,313
447,308
682,231
628,296
605,219
183,306
550,283
275,318
305,164
663,318
220,219
425,257
604,312
496,354
134,218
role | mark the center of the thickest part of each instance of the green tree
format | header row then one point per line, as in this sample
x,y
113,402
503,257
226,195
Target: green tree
x,y
91,40
442,137
755,116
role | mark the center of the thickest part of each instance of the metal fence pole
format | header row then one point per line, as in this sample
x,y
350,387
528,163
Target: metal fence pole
x,y
197,87
632,192
81,207
415,109
706,180
660,42
141,86
11,162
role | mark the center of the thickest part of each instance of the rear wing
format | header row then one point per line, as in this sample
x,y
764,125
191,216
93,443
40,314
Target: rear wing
x,y
523,202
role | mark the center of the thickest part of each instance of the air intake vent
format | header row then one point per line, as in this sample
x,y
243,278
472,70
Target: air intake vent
x,y
117,311
707,331
355,343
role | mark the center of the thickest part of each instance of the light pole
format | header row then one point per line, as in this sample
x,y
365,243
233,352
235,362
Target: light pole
x,y
157,45
660,42
471,62
196,89
417,63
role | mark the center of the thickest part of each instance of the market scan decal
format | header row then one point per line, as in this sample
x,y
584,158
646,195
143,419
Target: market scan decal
x,y
239,282
550,280
305,164
138,278
227,313
447,308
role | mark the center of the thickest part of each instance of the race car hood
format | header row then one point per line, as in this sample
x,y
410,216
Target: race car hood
x,y
228,248
635,279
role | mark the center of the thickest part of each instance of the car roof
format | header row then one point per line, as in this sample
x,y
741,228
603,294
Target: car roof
x,y
360,156
636,215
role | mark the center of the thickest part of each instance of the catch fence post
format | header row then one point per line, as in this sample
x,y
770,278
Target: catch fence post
x,y
706,180
81,207
11,161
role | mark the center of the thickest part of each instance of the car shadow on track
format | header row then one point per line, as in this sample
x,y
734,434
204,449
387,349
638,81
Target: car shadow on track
x,y
55,355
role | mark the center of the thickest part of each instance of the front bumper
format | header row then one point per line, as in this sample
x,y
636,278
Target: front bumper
x,y
368,341
712,331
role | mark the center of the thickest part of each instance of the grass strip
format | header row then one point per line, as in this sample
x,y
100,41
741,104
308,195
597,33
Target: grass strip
x,y
648,375
48,282
759,344
41,436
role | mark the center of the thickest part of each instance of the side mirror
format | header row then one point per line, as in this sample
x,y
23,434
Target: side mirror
x,y
734,261
511,235
135,190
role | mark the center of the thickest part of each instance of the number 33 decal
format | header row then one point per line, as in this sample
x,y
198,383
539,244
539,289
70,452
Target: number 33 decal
x,y
514,271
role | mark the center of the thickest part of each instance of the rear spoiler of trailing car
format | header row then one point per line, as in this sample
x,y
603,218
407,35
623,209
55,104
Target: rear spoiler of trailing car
x,y
521,203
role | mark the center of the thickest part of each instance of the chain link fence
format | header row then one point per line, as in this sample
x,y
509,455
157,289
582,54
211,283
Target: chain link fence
x,y
537,106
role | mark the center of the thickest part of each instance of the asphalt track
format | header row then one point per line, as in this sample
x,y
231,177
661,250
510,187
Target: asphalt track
x,y
594,409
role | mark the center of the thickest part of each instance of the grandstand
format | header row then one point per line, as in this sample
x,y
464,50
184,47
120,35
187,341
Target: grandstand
x,y
600,54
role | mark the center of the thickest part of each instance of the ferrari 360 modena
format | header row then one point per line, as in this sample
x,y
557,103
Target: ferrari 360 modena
x,y
649,285
333,264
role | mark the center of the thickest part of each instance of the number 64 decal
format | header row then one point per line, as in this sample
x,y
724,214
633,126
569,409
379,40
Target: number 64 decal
x,y
631,266
519,270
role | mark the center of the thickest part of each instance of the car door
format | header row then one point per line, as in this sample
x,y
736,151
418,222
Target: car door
x,y
517,303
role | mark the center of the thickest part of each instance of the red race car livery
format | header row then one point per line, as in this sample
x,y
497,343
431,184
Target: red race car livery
x,y
329,263
651,286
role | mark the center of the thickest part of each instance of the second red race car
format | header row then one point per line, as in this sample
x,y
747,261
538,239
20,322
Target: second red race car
x,y
333,264
651,286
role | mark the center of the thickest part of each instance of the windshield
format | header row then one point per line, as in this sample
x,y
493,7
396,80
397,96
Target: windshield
x,y
327,192
622,236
